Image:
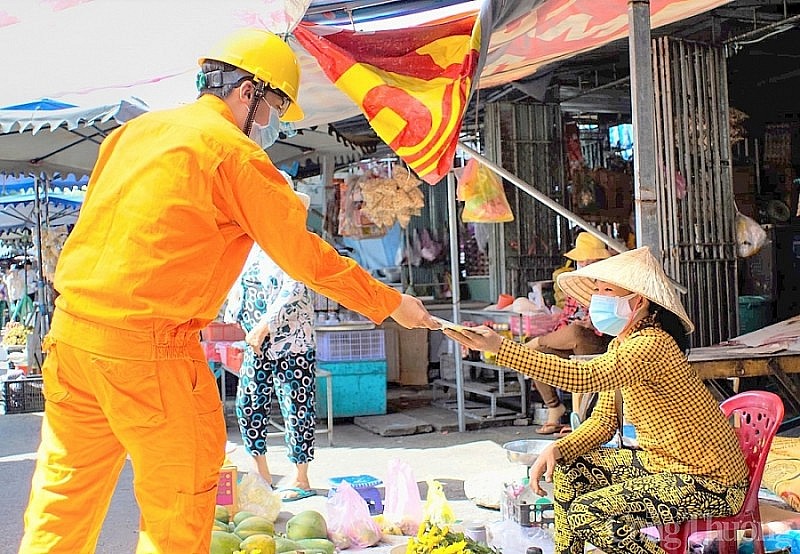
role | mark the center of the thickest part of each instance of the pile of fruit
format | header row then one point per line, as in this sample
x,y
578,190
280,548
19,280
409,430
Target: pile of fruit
x,y
247,533
15,334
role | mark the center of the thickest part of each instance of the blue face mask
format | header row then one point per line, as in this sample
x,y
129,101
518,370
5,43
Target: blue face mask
x,y
267,135
610,314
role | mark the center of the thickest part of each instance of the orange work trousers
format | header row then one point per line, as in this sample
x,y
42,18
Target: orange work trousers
x,y
157,402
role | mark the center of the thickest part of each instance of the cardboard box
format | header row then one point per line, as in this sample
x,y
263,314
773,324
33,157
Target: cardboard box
x,y
413,349
744,180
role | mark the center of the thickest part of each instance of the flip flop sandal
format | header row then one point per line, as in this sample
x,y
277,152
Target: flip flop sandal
x,y
549,428
296,494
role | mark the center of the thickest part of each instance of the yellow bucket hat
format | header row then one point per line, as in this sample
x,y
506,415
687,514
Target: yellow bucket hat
x,y
588,247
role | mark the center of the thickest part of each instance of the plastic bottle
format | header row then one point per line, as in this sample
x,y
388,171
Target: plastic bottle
x,y
526,500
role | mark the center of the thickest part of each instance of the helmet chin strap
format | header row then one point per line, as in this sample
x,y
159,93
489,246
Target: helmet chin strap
x,y
258,94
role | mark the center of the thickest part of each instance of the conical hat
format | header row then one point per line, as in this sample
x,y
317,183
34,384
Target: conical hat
x,y
635,270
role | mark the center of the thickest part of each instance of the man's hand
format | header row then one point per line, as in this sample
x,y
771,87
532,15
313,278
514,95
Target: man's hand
x,y
544,465
411,313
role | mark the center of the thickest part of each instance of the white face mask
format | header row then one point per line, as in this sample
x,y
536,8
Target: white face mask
x,y
265,136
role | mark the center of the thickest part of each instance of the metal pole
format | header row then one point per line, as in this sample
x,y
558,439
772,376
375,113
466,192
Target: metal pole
x,y
643,108
544,199
455,291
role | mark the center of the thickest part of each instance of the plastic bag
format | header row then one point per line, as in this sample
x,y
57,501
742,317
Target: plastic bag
x,y
349,522
403,504
482,193
256,496
437,510
512,538
750,236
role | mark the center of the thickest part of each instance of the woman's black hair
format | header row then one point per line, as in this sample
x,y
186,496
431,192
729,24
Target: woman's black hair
x,y
672,324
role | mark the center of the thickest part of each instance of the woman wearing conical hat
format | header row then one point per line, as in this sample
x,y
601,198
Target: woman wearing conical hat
x,y
688,463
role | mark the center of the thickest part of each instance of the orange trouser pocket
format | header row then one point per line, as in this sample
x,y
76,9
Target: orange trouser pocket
x,y
165,414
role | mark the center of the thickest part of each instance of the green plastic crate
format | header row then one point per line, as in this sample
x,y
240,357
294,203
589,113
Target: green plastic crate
x,y
359,388
755,312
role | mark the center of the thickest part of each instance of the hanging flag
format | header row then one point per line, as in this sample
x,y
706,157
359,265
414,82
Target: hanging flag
x,y
412,84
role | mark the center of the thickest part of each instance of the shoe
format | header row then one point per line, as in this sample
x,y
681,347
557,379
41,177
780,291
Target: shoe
x,y
549,428
296,493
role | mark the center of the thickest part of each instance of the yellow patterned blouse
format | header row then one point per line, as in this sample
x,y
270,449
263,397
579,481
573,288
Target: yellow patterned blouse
x,y
678,423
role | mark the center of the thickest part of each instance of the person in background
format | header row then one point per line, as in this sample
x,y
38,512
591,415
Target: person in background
x,y
174,204
574,334
277,314
688,463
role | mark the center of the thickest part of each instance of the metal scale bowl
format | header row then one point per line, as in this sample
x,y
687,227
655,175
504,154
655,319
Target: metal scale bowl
x,y
525,451
539,513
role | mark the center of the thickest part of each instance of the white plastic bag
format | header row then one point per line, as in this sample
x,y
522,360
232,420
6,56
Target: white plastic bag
x,y
256,496
750,236
511,538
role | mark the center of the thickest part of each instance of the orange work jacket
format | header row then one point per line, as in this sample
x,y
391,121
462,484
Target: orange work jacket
x,y
173,205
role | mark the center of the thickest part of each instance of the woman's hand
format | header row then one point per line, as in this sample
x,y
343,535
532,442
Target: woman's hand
x,y
255,337
476,338
544,465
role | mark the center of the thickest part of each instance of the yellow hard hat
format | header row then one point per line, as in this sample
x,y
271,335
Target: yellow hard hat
x,y
268,58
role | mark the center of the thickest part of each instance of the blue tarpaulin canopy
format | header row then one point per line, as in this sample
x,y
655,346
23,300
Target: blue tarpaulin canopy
x,y
60,200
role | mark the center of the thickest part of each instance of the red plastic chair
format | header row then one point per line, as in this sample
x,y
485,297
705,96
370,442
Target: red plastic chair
x,y
756,416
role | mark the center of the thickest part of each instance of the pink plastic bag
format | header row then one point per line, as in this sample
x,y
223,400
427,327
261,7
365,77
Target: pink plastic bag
x,y
349,522
403,504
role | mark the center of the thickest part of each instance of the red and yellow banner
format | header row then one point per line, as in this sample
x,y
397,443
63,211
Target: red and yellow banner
x,y
413,85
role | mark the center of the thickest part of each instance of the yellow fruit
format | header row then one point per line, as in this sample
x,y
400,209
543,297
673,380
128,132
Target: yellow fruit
x,y
222,514
285,545
219,526
321,545
224,543
241,516
307,525
254,525
264,543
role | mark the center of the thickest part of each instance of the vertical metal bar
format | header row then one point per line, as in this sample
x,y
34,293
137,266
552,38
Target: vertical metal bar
x,y
730,225
669,147
455,289
642,101
720,217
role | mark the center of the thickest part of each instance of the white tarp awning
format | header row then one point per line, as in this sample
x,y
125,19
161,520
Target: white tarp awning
x,y
61,141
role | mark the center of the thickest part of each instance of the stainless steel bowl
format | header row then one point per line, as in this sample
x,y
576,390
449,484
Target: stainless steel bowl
x,y
525,451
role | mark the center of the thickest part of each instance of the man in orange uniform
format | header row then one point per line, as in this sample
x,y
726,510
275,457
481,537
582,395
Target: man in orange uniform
x,y
174,204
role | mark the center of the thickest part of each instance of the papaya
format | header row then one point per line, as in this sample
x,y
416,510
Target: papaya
x,y
323,545
219,526
222,514
308,524
264,544
224,543
283,544
241,516
254,525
